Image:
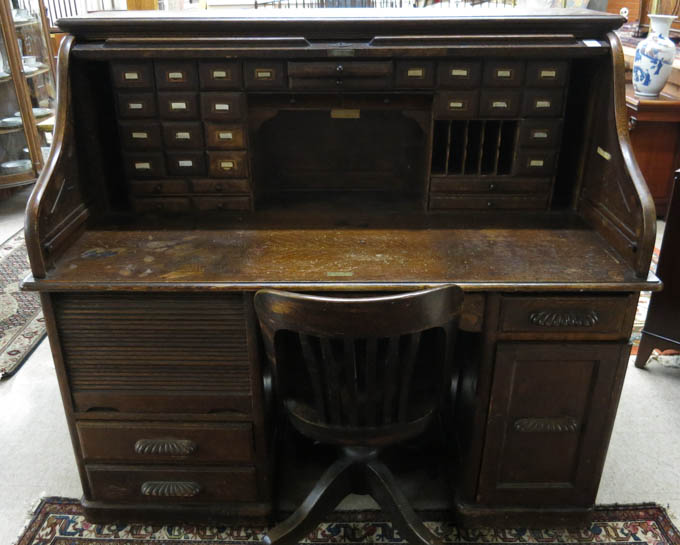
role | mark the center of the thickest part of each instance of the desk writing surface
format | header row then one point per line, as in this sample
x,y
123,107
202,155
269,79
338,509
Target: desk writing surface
x,y
536,253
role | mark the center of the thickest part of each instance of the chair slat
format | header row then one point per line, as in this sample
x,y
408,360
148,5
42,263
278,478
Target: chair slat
x,y
407,374
371,382
390,380
311,362
332,375
350,391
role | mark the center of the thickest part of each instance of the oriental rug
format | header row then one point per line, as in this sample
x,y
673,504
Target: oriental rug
x,y
60,521
22,325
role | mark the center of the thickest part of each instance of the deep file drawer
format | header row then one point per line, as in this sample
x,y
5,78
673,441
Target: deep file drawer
x,y
171,484
163,442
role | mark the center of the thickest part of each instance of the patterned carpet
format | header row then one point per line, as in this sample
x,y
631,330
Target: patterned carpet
x,y
22,325
59,521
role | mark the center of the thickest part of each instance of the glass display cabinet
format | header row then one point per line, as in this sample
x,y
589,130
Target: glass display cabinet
x,y
27,93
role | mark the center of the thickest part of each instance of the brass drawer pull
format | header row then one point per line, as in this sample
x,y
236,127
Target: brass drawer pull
x,y
564,424
171,489
549,318
165,447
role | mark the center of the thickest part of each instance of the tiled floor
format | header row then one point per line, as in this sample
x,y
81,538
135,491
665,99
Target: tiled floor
x,y
36,459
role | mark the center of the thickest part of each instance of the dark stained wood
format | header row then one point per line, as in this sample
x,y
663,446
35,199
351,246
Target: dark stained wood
x,y
357,154
662,325
341,340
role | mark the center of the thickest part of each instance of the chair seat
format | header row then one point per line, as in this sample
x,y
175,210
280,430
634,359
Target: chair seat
x,y
308,422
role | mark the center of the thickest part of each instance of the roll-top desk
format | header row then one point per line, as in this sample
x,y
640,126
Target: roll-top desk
x,y
200,158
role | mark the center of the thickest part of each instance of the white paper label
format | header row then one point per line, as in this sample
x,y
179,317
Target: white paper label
x,y
185,163
592,43
178,105
140,135
134,106
460,72
542,104
604,154
131,75
540,135
548,74
415,73
455,105
263,74
219,74
222,107
175,75
142,166
499,104
503,73
226,136
182,136
536,163
226,165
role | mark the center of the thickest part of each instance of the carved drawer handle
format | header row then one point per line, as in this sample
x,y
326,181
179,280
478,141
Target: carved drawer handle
x,y
165,447
545,425
174,489
555,318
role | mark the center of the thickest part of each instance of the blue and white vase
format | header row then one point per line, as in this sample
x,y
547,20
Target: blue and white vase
x,y
654,58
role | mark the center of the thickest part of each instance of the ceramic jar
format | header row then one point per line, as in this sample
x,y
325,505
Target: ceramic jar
x,y
654,58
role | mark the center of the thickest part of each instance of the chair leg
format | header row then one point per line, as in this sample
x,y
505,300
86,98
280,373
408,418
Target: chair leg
x,y
384,489
329,491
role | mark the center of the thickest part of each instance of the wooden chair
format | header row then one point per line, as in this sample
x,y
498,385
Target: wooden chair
x,y
362,374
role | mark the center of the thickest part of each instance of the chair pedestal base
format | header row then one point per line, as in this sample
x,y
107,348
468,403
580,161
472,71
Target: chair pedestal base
x,y
357,471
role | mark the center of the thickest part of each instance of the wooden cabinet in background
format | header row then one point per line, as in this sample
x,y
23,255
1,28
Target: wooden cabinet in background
x,y
655,135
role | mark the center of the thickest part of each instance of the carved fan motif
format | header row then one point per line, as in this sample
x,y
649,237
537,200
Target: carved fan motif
x,y
176,489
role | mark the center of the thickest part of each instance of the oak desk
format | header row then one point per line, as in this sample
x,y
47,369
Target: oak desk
x,y
199,158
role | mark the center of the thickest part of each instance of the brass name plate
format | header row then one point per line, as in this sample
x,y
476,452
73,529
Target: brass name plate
x,y
338,113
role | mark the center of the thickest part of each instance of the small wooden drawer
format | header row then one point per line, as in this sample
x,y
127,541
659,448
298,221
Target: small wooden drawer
x,y
542,102
459,74
601,317
535,162
132,75
178,105
152,443
503,73
186,163
176,76
142,484
140,135
218,75
340,69
474,184
158,187
222,106
414,74
136,105
143,165
232,202
183,135
440,201
540,133
264,75
227,164
547,73
222,136
456,104
499,103
162,204
210,185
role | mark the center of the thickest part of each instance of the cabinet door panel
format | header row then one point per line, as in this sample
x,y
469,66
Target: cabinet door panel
x,y
550,416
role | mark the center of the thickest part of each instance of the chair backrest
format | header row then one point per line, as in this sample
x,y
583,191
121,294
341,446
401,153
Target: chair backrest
x,y
364,358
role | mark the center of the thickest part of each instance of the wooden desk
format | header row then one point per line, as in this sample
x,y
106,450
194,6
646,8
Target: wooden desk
x,y
200,158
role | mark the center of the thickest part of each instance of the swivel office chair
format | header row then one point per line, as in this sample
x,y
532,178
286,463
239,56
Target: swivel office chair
x,y
362,374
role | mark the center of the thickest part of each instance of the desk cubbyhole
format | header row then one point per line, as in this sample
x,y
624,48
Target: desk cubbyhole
x,y
440,143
